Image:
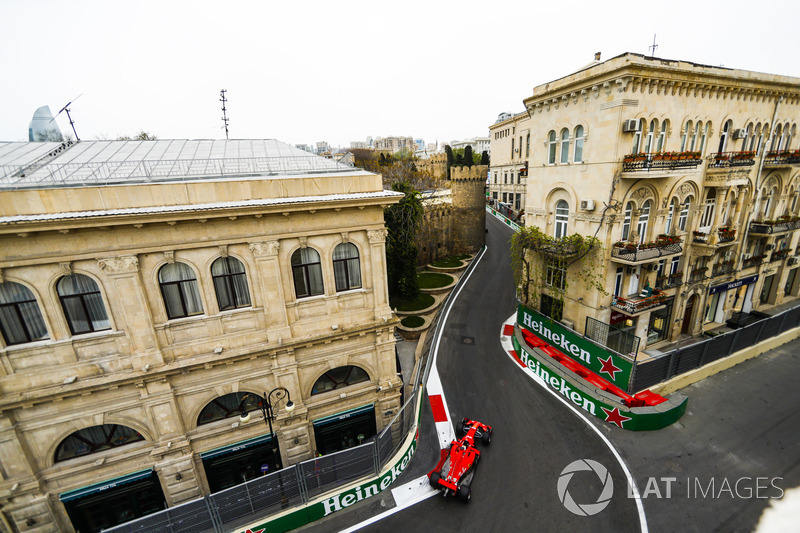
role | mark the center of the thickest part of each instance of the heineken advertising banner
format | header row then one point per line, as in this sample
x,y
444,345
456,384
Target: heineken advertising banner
x,y
588,399
608,365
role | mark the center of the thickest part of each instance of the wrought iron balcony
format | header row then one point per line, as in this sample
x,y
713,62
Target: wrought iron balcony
x,y
723,236
778,255
660,161
635,305
777,158
698,274
722,269
731,159
632,253
771,227
753,261
669,282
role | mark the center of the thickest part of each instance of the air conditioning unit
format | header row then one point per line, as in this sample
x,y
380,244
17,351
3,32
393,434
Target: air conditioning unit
x,y
770,246
587,205
792,261
629,125
738,133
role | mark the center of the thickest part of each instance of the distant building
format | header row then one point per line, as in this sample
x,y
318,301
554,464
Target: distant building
x,y
43,127
395,144
323,147
478,144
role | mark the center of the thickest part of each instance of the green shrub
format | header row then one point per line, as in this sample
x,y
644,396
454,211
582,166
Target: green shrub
x,y
412,321
422,301
434,280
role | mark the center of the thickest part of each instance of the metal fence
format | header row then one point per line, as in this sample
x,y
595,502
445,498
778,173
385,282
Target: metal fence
x,y
653,371
612,338
297,484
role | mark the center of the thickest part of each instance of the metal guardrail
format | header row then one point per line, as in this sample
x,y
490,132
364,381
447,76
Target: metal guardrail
x,y
636,253
499,216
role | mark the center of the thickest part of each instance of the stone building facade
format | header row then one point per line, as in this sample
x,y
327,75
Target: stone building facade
x,y
455,217
152,291
688,174
508,175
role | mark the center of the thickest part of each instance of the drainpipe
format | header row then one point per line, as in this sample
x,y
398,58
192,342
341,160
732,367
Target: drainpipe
x,y
758,179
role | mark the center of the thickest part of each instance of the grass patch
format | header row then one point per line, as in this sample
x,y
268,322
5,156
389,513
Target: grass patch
x,y
434,280
423,301
412,321
451,262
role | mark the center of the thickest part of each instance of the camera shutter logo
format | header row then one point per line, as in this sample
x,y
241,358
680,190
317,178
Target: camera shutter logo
x,y
585,509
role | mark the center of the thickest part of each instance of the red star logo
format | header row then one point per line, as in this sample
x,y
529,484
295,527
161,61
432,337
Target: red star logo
x,y
609,367
256,531
615,417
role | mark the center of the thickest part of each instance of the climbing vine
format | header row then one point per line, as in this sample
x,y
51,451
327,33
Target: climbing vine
x,y
402,221
545,265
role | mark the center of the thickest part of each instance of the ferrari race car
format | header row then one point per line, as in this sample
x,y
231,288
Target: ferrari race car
x,y
456,466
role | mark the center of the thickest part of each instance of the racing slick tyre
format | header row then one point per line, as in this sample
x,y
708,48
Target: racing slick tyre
x,y
486,437
460,429
464,493
434,481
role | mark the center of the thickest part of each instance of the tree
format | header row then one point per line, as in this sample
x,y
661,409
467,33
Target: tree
x,y
468,158
141,136
449,152
485,158
402,220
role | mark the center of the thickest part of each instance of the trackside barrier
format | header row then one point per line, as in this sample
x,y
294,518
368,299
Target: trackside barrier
x,y
304,492
499,216
681,360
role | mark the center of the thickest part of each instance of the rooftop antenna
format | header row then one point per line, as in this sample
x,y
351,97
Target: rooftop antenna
x,y
71,123
224,114
653,47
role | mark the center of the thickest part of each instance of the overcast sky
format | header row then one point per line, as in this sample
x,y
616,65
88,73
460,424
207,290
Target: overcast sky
x,y
303,71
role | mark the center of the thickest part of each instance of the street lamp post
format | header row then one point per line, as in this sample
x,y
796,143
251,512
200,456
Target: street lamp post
x,y
267,408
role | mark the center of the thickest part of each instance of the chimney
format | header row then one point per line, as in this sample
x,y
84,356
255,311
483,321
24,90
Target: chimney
x,y
597,56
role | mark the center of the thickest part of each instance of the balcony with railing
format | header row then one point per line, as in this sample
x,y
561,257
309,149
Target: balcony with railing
x,y
722,269
778,255
632,253
669,282
772,227
751,262
782,158
723,236
731,159
698,274
633,306
661,161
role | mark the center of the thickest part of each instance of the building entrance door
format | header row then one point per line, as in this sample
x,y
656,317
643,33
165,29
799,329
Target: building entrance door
x,y
344,430
686,327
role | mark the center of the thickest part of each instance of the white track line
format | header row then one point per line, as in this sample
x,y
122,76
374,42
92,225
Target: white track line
x,y
506,342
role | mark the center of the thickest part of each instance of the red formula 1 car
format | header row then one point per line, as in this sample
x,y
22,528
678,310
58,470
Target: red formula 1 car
x,y
456,466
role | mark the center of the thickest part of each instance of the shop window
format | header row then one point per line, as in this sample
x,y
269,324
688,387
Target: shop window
x,y
82,304
230,283
20,318
96,439
658,326
179,290
307,273
346,267
338,378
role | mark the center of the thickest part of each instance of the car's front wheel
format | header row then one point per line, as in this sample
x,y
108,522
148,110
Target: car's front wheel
x,y
434,481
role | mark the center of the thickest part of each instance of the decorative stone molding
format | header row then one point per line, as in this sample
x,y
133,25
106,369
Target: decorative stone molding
x,y
588,217
538,211
265,248
223,250
376,236
66,267
303,241
119,265
170,256
2,278
345,237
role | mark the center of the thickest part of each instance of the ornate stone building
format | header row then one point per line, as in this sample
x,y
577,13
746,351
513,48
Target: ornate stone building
x,y
151,292
689,176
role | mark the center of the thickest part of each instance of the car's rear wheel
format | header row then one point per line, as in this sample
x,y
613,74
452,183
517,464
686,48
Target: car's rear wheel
x,y
435,477
486,437
464,493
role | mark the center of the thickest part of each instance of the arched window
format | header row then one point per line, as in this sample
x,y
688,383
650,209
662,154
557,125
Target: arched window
x,y
673,206
684,214
562,219
769,199
346,267
96,439
776,139
687,132
512,148
755,142
551,147
528,145
747,136
228,406
723,137
708,210
794,201
790,136
307,273
626,221
637,136
651,132
20,318
179,290
82,304
695,135
703,136
661,145
579,140
644,218
565,145
339,378
230,283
